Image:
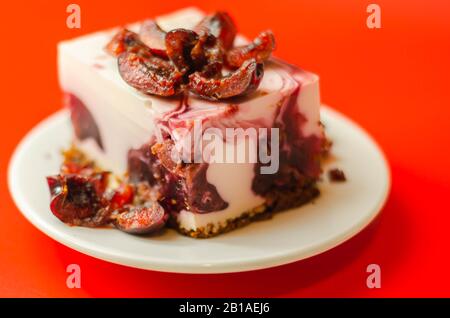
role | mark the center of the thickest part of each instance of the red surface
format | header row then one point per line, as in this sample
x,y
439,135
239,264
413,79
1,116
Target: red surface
x,y
393,81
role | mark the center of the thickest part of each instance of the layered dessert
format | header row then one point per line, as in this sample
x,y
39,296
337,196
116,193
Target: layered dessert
x,y
179,121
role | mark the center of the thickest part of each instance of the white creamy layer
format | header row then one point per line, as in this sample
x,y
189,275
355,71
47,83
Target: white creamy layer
x,y
126,118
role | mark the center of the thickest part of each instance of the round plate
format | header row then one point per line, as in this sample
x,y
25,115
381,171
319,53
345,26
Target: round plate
x,y
340,212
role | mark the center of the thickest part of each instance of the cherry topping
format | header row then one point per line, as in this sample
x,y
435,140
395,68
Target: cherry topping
x,y
221,26
179,43
126,41
260,49
142,220
122,196
195,59
75,197
208,55
150,75
154,37
242,81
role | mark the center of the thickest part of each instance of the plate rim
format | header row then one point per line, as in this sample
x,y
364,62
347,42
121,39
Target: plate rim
x,y
230,266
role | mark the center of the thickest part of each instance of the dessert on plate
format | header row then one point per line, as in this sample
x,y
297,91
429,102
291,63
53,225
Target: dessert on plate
x,y
179,121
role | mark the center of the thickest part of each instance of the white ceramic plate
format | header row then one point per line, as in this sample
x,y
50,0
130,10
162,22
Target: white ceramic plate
x,y
341,211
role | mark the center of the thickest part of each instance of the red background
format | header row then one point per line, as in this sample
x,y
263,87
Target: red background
x,y
393,81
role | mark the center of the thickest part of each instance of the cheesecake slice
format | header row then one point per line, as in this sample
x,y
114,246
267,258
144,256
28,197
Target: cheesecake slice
x,y
154,140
